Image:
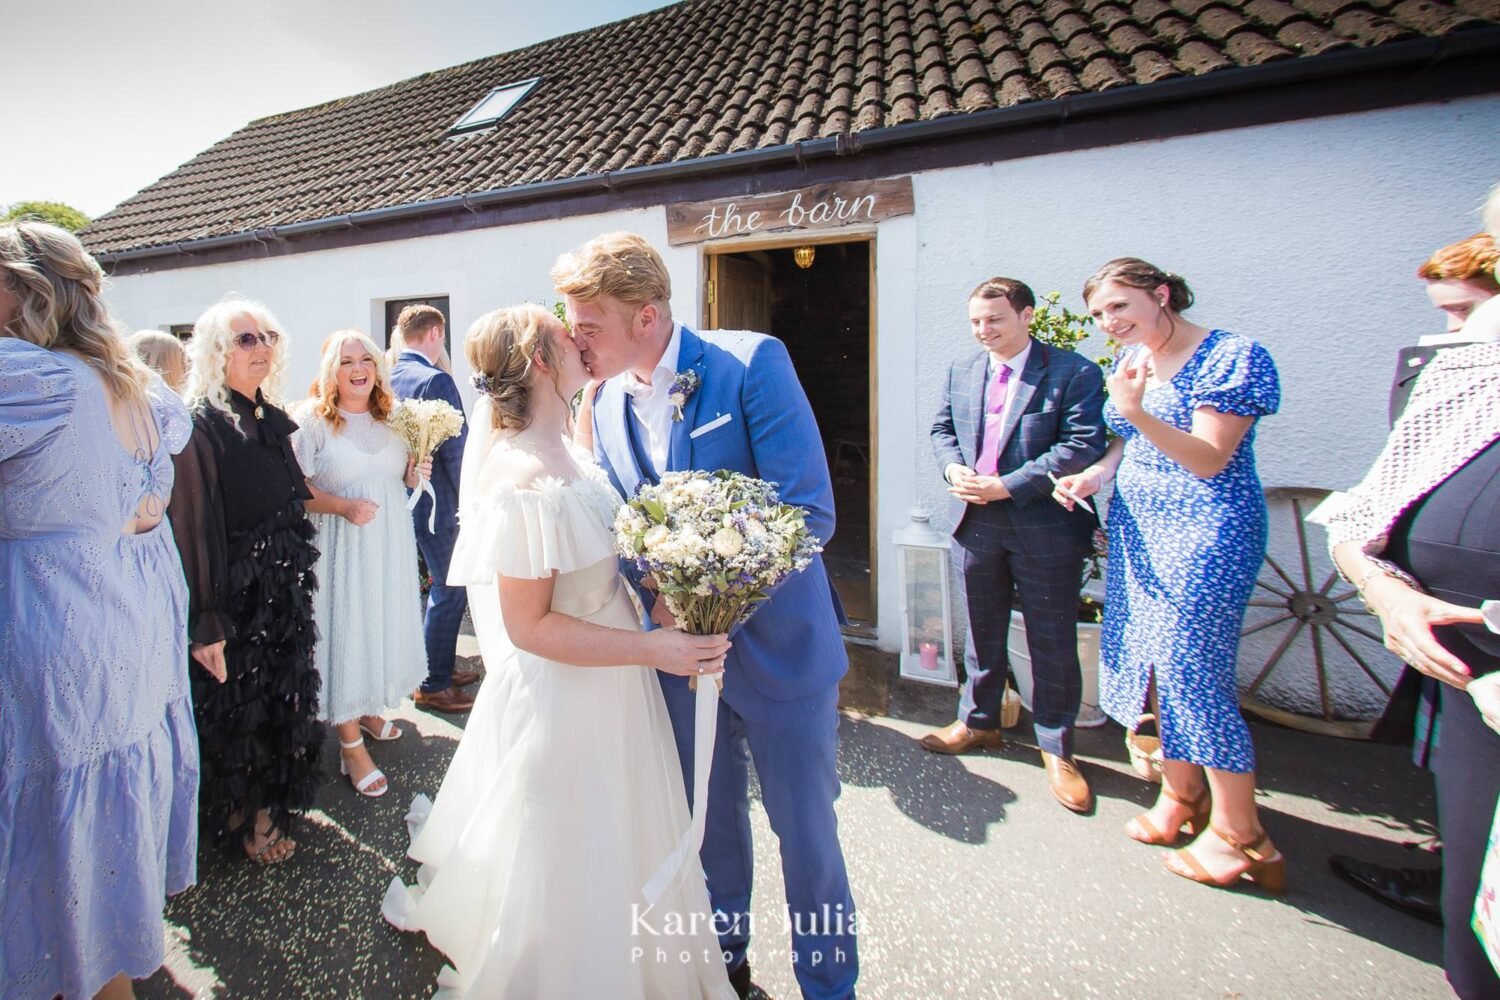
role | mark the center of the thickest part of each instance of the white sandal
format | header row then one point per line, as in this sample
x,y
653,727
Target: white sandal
x,y
363,784
388,731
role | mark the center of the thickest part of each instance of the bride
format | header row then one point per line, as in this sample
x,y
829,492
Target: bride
x,y
565,793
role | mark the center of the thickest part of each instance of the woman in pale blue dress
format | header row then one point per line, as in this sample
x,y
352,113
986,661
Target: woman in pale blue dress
x,y
99,781
370,652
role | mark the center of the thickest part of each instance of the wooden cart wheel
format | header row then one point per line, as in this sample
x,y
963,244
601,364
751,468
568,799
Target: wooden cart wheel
x,y
1323,617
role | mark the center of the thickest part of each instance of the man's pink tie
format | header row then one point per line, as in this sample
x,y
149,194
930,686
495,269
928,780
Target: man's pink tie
x,y
994,411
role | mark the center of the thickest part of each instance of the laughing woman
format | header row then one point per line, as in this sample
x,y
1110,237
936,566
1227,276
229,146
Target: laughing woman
x,y
370,650
246,544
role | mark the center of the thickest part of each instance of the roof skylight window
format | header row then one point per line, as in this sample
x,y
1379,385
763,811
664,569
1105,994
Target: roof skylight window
x,y
494,106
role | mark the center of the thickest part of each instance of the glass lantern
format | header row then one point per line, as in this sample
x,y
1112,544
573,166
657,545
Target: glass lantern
x,y
922,558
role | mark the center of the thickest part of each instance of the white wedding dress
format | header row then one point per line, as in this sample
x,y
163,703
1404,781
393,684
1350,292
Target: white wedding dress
x,y
565,793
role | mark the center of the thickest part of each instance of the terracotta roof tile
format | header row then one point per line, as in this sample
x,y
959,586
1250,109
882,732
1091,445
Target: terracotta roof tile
x,y
708,77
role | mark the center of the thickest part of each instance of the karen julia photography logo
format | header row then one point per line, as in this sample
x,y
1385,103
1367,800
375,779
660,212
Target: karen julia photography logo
x,y
667,937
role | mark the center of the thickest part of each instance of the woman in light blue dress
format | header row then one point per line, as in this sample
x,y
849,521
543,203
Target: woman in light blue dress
x,y
99,781
1187,534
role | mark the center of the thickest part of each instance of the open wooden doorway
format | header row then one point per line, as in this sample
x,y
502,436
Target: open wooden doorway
x,y
823,313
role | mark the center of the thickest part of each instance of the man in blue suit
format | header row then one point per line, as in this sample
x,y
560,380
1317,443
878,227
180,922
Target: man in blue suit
x,y
780,695
1012,412
416,375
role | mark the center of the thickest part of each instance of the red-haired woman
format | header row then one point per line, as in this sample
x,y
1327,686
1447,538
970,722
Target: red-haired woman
x,y
369,650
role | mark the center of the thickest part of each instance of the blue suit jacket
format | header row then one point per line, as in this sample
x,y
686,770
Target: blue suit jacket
x,y
1056,424
414,377
752,417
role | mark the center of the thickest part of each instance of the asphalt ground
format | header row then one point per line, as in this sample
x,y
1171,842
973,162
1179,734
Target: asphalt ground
x,y
970,880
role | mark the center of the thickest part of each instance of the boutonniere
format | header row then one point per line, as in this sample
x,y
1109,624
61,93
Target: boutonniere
x,y
683,385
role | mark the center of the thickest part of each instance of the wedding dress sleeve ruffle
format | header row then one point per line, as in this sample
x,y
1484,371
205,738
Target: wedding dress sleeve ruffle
x,y
551,527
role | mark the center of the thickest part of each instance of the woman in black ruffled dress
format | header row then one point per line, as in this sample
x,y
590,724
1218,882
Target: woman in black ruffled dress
x,y
246,544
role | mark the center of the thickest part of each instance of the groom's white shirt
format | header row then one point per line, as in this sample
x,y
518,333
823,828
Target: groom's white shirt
x,y
650,403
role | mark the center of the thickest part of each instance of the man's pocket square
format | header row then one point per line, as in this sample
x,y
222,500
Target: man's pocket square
x,y
718,421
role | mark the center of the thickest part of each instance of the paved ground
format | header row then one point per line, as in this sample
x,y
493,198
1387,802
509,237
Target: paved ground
x,y
970,880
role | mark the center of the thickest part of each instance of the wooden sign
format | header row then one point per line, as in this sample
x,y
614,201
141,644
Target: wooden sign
x,y
827,206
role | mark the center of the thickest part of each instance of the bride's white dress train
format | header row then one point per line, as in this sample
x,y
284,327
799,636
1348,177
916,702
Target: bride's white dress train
x,y
565,793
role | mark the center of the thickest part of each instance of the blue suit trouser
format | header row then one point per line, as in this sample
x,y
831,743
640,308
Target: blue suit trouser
x,y
795,755
445,604
1046,574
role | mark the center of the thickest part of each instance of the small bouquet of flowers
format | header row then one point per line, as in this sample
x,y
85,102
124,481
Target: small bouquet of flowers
x,y
715,543
424,424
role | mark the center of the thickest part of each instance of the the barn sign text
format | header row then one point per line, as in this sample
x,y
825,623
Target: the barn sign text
x,y
826,206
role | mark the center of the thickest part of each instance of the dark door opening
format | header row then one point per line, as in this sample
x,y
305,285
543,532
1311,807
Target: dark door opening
x,y
822,314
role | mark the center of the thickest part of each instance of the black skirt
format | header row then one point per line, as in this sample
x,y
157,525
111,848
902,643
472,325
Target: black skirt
x,y
259,733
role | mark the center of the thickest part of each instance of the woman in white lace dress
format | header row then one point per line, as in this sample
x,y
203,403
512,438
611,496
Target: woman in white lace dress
x,y
367,605
565,794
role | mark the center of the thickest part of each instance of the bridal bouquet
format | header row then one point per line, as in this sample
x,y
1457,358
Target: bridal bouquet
x,y
716,543
423,424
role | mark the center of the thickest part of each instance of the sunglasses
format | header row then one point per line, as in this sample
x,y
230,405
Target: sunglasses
x,y
247,341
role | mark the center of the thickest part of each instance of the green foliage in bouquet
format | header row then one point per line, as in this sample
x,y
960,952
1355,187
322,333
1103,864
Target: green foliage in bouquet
x,y
714,544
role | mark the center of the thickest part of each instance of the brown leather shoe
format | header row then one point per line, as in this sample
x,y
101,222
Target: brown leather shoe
x,y
463,678
1069,785
959,738
449,699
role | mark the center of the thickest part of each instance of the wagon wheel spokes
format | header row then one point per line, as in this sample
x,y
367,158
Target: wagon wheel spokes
x,y
1276,655
1321,665
1354,655
1261,626
1281,573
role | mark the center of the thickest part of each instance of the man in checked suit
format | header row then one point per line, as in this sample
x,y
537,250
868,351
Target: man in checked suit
x,y
417,375
1011,413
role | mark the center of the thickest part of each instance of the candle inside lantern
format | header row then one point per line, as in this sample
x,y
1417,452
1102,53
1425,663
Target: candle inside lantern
x,y
929,655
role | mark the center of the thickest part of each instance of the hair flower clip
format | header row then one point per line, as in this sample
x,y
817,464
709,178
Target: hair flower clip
x,y
483,383
682,386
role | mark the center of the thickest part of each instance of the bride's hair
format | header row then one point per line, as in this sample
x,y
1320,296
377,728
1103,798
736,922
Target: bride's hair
x,y
501,346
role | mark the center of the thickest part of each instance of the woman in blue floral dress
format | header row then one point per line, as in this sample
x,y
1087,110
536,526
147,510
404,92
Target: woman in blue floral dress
x,y
1187,534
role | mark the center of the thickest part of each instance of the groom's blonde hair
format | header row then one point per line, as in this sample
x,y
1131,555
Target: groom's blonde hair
x,y
621,265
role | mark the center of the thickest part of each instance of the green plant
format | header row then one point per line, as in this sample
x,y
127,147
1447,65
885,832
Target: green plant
x,y
1055,324
55,212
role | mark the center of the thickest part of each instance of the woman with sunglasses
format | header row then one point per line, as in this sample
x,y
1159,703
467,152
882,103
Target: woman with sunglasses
x,y
246,544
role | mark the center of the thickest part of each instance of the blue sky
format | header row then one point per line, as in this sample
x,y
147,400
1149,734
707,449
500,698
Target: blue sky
x,y
105,97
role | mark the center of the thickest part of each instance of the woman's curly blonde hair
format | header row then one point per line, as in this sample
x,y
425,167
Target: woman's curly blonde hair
x,y
211,346
58,289
324,392
500,347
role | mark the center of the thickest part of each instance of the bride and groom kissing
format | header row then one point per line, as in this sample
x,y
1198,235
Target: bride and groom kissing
x,y
569,786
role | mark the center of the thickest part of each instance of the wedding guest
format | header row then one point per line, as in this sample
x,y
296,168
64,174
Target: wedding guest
x,y
1459,278
369,651
1420,542
163,354
1187,535
417,374
1012,413
96,725
1483,323
246,543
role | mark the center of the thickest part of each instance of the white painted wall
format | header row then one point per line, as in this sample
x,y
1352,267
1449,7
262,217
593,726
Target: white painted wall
x,y
1305,236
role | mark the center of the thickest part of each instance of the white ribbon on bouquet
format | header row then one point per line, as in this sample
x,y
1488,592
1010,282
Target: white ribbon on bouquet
x,y
705,728
424,486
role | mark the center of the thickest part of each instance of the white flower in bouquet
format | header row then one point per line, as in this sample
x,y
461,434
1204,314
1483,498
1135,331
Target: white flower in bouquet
x,y
423,424
715,544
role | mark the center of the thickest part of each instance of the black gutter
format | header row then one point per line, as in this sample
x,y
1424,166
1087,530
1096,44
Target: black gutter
x,y
1414,53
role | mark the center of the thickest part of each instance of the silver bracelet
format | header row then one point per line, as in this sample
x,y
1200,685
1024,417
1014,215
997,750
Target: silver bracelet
x,y
1369,575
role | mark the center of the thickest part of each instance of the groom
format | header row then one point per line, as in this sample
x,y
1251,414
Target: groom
x,y
748,413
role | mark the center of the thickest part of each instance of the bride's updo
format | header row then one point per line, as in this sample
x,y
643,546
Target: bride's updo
x,y
500,347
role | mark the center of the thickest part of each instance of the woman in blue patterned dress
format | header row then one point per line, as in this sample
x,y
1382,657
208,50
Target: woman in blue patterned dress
x,y
1187,534
99,776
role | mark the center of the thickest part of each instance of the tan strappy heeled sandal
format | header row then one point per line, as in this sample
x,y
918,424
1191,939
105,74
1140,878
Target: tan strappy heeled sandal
x,y
1141,829
1266,871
